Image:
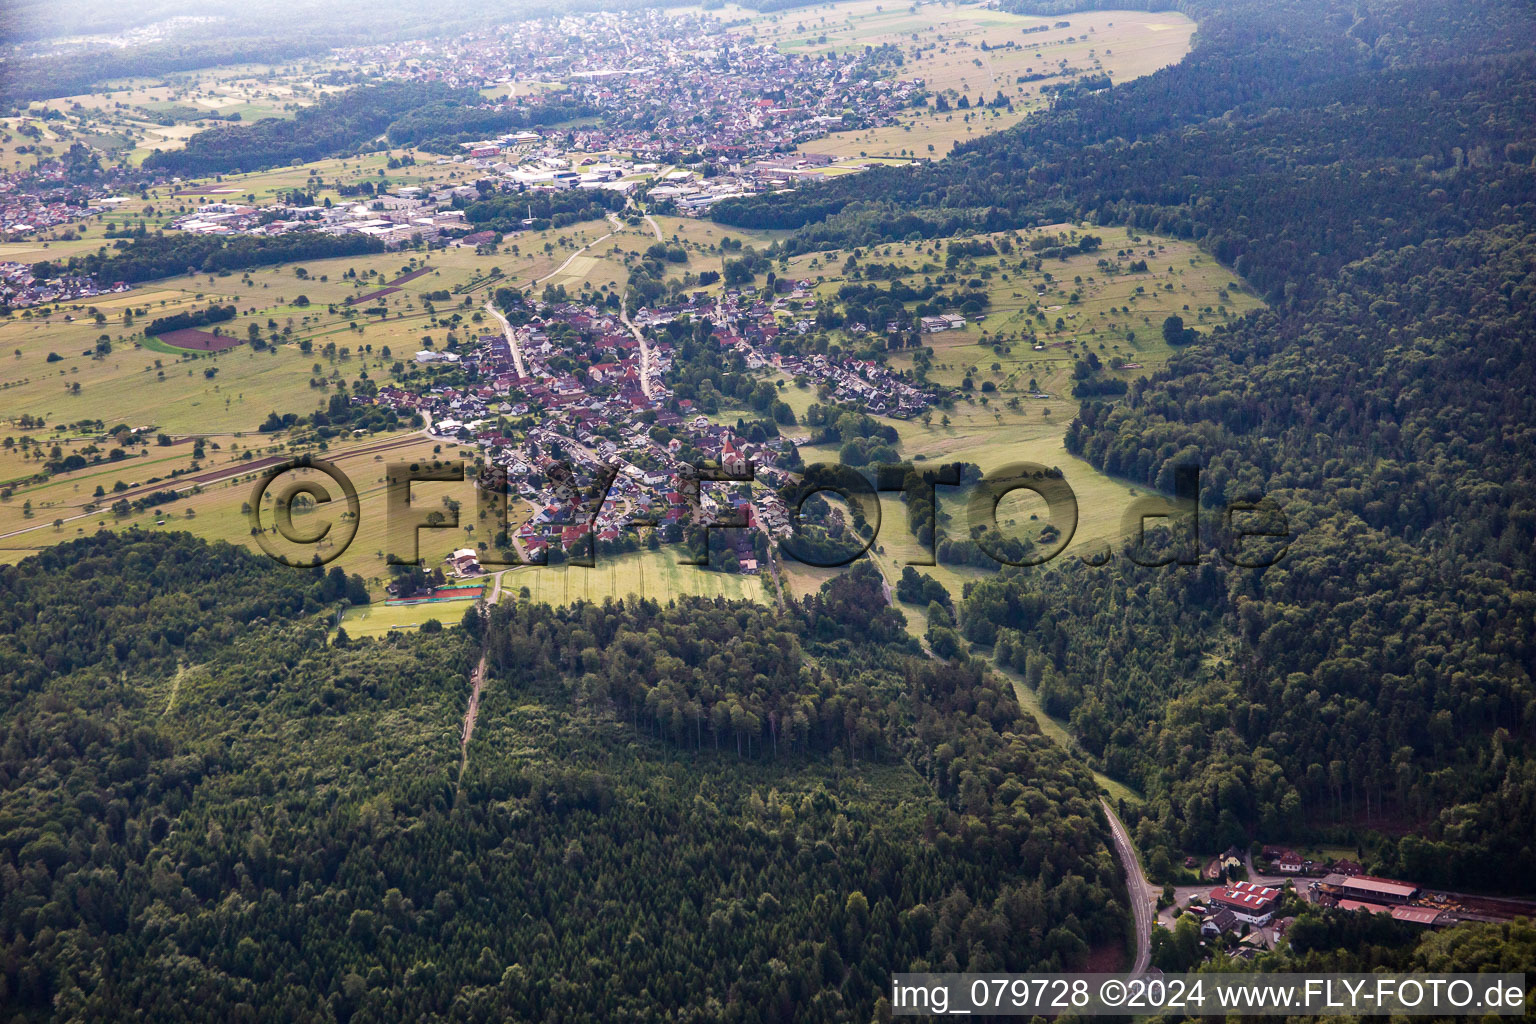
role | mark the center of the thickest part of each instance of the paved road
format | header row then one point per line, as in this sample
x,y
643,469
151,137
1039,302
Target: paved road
x,y
617,227
1138,890
506,328
645,350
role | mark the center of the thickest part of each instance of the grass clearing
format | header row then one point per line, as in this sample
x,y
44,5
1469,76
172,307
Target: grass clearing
x,y
654,574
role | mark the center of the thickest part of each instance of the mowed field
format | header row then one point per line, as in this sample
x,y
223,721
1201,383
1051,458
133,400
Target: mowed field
x,y
1106,310
218,510
990,441
143,382
54,370
130,118
650,573
973,52
653,574
1117,315
606,264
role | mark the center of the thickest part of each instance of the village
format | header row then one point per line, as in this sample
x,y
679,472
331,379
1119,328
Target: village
x,y
573,405
1248,899
20,287
50,196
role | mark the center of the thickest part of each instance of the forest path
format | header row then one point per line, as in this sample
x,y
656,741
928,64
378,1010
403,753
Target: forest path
x,y
477,679
170,702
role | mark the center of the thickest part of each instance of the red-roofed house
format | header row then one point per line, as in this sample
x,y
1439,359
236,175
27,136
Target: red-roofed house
x,y
1248,901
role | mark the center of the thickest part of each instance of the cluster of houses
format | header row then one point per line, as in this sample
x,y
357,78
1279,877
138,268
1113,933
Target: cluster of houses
x,y
1340,883
1287,861
593,441
19,288
1236,907
662,83
862,383
41,199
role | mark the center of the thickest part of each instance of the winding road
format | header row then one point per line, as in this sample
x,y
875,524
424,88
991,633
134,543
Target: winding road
x,y
1138,890
617,227
1140,893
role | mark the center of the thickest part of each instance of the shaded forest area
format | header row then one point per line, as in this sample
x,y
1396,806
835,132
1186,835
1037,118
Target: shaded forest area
x,y
212,810
160,255
428,115
1370,172
337,125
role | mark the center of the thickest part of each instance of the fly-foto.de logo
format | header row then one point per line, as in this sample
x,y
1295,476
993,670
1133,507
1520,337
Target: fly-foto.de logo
x,y
307,512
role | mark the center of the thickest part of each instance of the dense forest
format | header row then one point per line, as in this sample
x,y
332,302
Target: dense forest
x,y
429,115
212,809
161,255
337,125
507,212
213,314
440,127
1371,174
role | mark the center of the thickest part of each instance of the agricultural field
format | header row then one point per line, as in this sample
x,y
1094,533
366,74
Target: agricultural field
x,y
131,118
1108,311
963,51
145,382
67,505
653,574
329,324
606,264
378,618
1021,398
975,434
